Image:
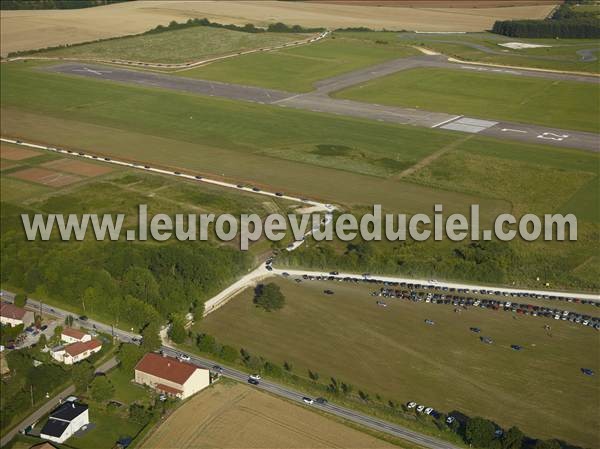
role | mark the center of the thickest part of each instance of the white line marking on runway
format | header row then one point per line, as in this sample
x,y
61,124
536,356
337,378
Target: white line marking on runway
x,y
447,121
513,130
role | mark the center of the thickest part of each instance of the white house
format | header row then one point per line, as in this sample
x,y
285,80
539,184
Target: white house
x,y
71,335
171,376
13,315
65,421
76,352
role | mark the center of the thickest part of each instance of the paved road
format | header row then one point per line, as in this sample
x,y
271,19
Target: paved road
x,y
342,412
320,101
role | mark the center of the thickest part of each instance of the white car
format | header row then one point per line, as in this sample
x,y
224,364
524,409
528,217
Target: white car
x,y
255,377
184,358
450,419
420,408
307,400
428,410
411,405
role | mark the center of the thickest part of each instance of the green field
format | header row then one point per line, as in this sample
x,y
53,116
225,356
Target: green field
x,y
483,47
391,352
563,104
186,45
297,69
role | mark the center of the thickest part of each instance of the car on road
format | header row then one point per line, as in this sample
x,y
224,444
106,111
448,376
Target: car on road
x,y
307,400
217,369
411,405
285,274
240,186
334,273
198,177
253,381
587,371
184,358
278,193
321,401
269,268
255,376
255,189
83,318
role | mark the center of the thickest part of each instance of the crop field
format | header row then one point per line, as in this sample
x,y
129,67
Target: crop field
x,y
391,352
563,104
297,69
28,30
259,419
484,47
191,44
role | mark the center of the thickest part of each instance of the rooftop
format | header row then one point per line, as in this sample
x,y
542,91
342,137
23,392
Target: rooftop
x,y
79,347
11,311
68,411
167,368
73,333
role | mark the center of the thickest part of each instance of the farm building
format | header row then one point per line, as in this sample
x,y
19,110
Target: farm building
x,y
71,335
76,352
65,421
171,376
13,315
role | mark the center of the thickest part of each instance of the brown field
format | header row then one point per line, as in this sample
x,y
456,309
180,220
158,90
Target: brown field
x,y
440,3
28,29
16,153
7,164
45,177
77,167
231,415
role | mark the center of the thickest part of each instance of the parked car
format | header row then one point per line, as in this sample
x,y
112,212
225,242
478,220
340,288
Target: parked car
x,y
486,340
475,329
516,347
587,371
411,405
328,292
450,419
428,410
184,358
429,322
420,408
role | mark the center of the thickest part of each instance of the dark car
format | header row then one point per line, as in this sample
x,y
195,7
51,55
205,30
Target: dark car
x,y
217,369
321,401
486,340
44,327
198,177
177,172
256,189
516,347
146,166
334,273
328,292
475,329
278,193
107,159
269,268
253,381
83,318
587,371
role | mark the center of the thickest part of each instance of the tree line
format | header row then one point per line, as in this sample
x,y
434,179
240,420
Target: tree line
x,y
55,4
566,22
278,27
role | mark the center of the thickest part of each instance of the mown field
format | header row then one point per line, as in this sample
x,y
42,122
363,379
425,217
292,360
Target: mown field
x,y
392,353
484,47
184,45
230,415
562,104
297,69
354,163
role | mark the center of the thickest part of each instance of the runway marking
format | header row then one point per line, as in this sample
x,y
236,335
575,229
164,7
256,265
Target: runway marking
x,y
95,72
513,130
553,136
447,121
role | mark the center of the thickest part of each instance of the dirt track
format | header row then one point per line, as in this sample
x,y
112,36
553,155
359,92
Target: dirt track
x,y
26,29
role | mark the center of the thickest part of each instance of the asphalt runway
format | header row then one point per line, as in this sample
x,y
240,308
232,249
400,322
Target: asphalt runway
x,y
320,101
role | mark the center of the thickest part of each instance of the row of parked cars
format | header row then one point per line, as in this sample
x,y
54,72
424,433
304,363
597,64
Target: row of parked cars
x,y
507,306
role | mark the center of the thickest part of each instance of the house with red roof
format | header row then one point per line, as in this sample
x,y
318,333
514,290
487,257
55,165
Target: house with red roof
x,y
76,352
171,376
13,316
71,335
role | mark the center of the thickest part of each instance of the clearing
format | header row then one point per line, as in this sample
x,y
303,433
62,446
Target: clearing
x,y
562,104
444,366
229,415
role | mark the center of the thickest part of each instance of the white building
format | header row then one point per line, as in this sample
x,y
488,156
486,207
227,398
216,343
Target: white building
x,y
171,376
71,335
65,421
76,352
13,315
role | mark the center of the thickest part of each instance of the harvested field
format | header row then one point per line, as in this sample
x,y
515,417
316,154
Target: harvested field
x,y
46,177
439,3
16,153
78,167
27,30
233,415
7,164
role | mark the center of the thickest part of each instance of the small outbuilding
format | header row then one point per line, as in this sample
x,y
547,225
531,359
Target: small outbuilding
x,y
65,421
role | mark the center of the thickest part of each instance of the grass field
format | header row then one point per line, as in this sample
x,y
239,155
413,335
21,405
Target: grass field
x,y
184,45
27,30
297,69
391,352
563,104
484,47
229,415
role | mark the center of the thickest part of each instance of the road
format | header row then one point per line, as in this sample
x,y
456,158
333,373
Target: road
x,y
320,101
342,412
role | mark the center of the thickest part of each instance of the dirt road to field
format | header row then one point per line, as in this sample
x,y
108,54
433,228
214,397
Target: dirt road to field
x,y
27,29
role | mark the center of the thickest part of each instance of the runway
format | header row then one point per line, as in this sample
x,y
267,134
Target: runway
x,y
320,101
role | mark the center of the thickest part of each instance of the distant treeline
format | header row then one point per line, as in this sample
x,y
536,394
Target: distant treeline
x,y
566,22
248,28
55,4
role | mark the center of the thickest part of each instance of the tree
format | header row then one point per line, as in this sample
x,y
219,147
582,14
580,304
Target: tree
x,y
20,300
229,353
177,331
82,374
69,320
513,438
58,330
287,366
313,375
42,341
150,338
129,354
102,389
269,297
480,432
